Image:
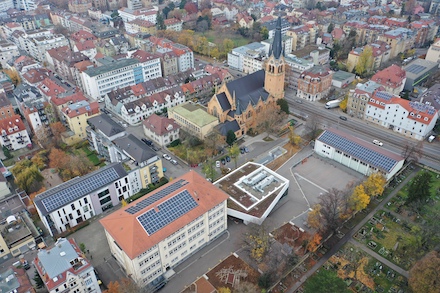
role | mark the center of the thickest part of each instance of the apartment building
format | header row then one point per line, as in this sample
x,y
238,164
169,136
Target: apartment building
x,y
271,27
14,135
173,24
433,53
8,52
392,78
6,108
81,198
128,14
65,268
315,83
359,97
62,61
185,56
140,26
300,37
410,118
294,68
151,64
75,116
168,225
254,51
400,40
37,46
381,53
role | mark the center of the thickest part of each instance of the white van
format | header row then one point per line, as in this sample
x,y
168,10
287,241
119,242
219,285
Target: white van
x,y
376,142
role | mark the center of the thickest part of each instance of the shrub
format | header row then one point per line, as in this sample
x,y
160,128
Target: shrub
x,y
175,143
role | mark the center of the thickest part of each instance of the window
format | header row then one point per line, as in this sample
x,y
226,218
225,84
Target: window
x,y
103,193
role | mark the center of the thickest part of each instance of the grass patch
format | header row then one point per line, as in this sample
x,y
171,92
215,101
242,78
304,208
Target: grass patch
x,y
212,36
94,159
268,138
9,162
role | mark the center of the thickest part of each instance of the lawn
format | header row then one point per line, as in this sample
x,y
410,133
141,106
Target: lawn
x,y
213,37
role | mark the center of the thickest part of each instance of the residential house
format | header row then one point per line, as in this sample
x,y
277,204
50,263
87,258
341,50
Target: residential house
x,y
433,53
6,108
8,52
173,24
65,267
294,68
314,83
16,279
161,130
75,117
359,97
392,78
14,135
244,20
62,61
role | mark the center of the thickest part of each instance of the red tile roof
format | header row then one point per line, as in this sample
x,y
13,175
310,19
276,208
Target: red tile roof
x,y
49,88
89,108
10,122
76,97
392,76
35,75
160,125
129,234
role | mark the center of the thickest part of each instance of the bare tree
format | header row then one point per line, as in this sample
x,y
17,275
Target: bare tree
x,y
331,206
270,119
213,140
412,152
313,126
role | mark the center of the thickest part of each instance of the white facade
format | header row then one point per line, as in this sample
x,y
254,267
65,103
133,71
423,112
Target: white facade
x,y
434,52
25,5
402,118
37,47
146,14
247,58
185,61
171,251
235,61
354,161
14,139
6,4
8,51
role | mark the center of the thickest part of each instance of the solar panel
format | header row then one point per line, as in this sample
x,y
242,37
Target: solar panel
x,y
384,95
156,196
167,212
63,195
358,151
414,68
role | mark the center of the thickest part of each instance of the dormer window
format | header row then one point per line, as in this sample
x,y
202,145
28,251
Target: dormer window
x,y
426,118
10,130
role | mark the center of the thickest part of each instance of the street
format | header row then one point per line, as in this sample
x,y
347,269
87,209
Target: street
x,y
368,131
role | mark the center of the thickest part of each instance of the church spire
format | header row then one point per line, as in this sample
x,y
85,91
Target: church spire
x,y
277,46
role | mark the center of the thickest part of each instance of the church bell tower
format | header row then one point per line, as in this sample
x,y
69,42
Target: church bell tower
x,y
275,66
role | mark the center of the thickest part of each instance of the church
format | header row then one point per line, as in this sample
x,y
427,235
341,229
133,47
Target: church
x,y
238,103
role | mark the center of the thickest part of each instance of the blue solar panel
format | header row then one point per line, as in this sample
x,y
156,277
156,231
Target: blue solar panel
x,y
156,196
384,95
63,195
167,212
364,154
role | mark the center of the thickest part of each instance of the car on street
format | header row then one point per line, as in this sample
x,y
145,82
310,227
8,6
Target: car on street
x,y
343,118
146,141
155,148
299,101
166,157
174,162
377,142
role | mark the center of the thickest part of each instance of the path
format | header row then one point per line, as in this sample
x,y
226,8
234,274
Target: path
x,y
380,258
347,237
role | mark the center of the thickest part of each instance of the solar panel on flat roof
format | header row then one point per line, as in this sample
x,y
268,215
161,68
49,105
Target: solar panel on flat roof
x,y
167,212
415,68
65,195
156,196
364,154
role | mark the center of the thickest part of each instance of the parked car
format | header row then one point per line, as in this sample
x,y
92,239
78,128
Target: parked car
x,y
146,141
228,159
223,162
166,157
343,118
299,101
174,162
217,164
241,150
377,142
246,150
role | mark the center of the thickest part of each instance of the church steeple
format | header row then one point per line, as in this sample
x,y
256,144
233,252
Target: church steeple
x,y
275,66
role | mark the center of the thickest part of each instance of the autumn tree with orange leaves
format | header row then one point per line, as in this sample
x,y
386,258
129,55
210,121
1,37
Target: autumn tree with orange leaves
x,y
126,286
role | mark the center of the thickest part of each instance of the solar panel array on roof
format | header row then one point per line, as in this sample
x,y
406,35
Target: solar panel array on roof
x,y
170,210
422,107
414,68
155,197
364,154
384,95
66,195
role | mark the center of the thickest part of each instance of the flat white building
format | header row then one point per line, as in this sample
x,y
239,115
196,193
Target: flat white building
x,y
254,51
154,234
357,154
64,268
6,4
412,119
8,51
128,14
81,198
98,81
25,5
38,45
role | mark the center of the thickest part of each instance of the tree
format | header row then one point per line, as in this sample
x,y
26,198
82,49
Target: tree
x,y
126,285
57,129
7,153
331,204
230,137
234,152
256,240
343,104
365,61
228,44
246,287
182,4
375,184
410,5
412,152
43,135
265,280
325,281
359,199
209,169
312,126
40,159
424,276
284,106
82,247
419,187
38,281
314,217
264,32
13,75
330,28
224,290
314,242
269,120
212,140
29,179
160,22
58,159
294,139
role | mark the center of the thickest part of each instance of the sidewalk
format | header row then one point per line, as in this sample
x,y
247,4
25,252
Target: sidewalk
x,y
348,237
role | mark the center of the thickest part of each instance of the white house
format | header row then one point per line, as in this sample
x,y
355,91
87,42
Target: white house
x,y
167,226
161,130
357,154
14,135
410,118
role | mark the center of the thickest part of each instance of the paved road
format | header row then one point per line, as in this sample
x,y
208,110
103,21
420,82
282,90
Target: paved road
x,y
347,237
368,131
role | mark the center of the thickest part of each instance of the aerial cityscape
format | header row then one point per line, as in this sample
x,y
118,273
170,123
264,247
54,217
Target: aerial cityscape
x,y
202,146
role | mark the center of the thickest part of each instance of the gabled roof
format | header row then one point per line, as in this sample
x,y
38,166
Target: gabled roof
x,y
226,126
248,89
10,123
106,125
124,226
135,148
223,101
76,188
